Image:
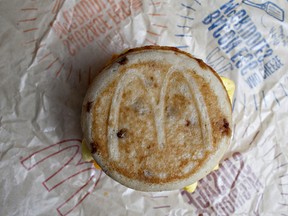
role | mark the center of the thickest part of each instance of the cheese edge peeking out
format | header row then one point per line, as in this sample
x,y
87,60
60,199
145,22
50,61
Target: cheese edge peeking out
x,y
87,156
229,86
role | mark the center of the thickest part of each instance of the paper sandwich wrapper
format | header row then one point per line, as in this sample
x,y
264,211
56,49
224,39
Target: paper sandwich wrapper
x,y
51,51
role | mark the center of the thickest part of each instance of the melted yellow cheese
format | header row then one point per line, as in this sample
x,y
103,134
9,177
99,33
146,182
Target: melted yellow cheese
x,y
86,155
191,188
230,87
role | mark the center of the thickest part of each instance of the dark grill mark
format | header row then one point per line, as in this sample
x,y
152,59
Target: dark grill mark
x,y
94,147
226,124
89,106
123,60
201,64
122,133
225,128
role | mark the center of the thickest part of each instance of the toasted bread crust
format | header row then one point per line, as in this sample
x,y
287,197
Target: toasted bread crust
x,y
157,118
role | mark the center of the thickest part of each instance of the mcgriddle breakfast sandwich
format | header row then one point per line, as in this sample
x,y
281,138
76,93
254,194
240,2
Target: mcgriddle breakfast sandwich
x,y
157,119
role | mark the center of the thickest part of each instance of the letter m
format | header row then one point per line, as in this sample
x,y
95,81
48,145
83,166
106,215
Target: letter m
x,y
61,164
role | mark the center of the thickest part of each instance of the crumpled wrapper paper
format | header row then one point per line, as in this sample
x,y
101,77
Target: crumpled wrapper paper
x,y
50,52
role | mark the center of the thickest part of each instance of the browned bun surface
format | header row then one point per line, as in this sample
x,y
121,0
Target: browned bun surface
x,y
157,118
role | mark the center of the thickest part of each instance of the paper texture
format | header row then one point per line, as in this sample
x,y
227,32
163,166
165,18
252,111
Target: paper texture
x,y
50,52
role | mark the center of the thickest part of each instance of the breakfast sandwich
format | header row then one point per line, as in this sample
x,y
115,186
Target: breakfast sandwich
x,y
156,118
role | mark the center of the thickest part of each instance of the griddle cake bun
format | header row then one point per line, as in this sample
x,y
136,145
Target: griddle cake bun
x,y
157,119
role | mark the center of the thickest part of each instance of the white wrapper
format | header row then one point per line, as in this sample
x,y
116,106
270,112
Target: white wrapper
x,y
50,52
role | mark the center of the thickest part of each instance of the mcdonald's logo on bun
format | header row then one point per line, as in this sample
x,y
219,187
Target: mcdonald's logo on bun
x,y
156,118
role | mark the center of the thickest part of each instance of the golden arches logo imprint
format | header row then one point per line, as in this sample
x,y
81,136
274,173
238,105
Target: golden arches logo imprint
x,y
158,108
